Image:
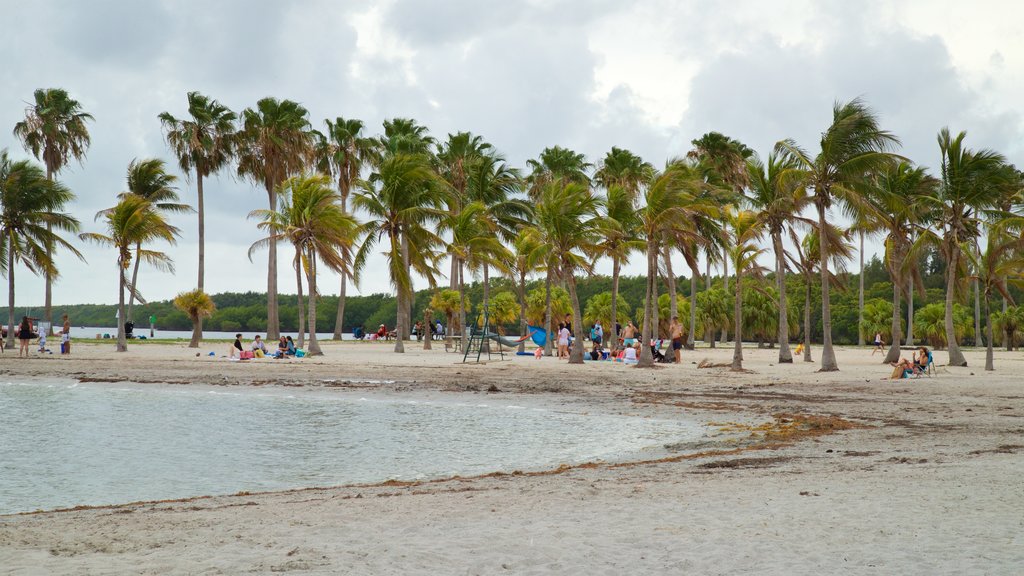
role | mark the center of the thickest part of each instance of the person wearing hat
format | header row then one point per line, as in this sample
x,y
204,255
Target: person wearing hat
x,y
382,332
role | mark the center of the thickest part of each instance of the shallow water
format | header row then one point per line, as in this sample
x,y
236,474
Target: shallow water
x,y
64,444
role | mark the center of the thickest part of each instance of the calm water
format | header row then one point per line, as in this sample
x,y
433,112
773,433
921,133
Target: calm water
x,y
64,444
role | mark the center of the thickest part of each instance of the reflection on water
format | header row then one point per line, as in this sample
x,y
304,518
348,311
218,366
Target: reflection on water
x,y
64,444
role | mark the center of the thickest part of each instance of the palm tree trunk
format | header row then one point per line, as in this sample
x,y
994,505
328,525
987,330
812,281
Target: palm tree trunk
x,y
785,356
725,278
613,341
956,357
301,303
547,312
673,306
48,308
135,278
910,313
737,312
404,305
456,267
576,356
427,321
690,344
860,294
10,290
977,314
989,356
828,355
339,320
807,319
894,346
122,342
314,346
462,315
485,343
273,317
523,328
646,359
709,333
197,324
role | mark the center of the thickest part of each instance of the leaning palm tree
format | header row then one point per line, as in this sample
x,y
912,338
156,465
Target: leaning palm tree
x,y
403,201
746,230
971,187
522,264
565,220
30,210
274,143
778,204
203,143
315,224
853,149
54,131
132,222
150,180
342,152
999,266
895,207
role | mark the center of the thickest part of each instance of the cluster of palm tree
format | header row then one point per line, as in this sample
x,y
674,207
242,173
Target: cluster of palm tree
x,y
339,195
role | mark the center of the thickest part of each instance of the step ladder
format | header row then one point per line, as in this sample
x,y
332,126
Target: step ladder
x,y
480,342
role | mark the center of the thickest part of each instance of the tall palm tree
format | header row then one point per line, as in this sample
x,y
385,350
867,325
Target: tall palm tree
x,y
404,201
671,204
556,163
894,208
806,260
971,186
30,210
313,221
617,230
132,222
274,143
624,169
566,214
522,264
197,305
778,204
746,230
343,151
203,143
455,158
1001,264
54,131
853,149
150,180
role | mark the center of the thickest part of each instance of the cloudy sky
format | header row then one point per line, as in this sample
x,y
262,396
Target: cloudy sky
x,y
649,76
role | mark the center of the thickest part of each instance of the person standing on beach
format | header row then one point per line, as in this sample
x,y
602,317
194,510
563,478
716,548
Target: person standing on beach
x,y
676,330
65,337
24,335
628,334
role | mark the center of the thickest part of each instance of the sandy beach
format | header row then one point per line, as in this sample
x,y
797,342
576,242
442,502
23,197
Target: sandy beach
x,y
809,473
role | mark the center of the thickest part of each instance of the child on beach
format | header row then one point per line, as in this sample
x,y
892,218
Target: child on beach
x,y
878,344
539,352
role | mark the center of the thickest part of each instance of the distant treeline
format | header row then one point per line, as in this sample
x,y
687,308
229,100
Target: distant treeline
x,y
246,312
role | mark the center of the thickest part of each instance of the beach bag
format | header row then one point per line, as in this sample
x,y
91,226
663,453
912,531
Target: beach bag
x,y
299,353
258,353
246,355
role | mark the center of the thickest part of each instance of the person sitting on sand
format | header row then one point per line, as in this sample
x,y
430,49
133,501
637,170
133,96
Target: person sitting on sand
x,y
291,347
259,348
382,332
236,348
282,348
799,348
539,352
630,355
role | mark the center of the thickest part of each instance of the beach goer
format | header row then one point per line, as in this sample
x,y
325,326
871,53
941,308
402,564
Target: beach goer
x,y
629,334
291,347
676,330
563,341
282,348
598,337
539,352
902,369
65,336
799,348
440,330
878,344
417,330
24,335
236,347
921,361
382,332
259,347
568,325
630,355
42,343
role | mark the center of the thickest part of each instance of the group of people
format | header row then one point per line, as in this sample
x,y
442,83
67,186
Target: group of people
x,y
258,349
916,365
626,349
26,333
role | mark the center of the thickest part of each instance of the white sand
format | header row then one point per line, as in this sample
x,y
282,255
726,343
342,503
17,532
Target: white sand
x,y
932,485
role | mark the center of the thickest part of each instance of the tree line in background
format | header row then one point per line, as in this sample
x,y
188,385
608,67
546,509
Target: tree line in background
x,y
338,195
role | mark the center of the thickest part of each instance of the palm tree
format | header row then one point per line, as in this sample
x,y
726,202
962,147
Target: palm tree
x,y
556,163
672,203
343,152
746,231
273,144
617,229
150,180
54,131
524,246
971,186
566,214
197,305
30,210
778,204
448,302
894,207
403,200
852,150
319,229
1001,264
806,261
132,222
624,169
203,145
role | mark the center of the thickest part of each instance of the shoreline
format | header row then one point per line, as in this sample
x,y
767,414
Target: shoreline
x,y
925,482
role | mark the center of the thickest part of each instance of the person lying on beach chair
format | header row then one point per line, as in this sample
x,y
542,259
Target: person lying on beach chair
x,y
903,368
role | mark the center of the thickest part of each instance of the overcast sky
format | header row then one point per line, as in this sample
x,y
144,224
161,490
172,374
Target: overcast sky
x,y
649,76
